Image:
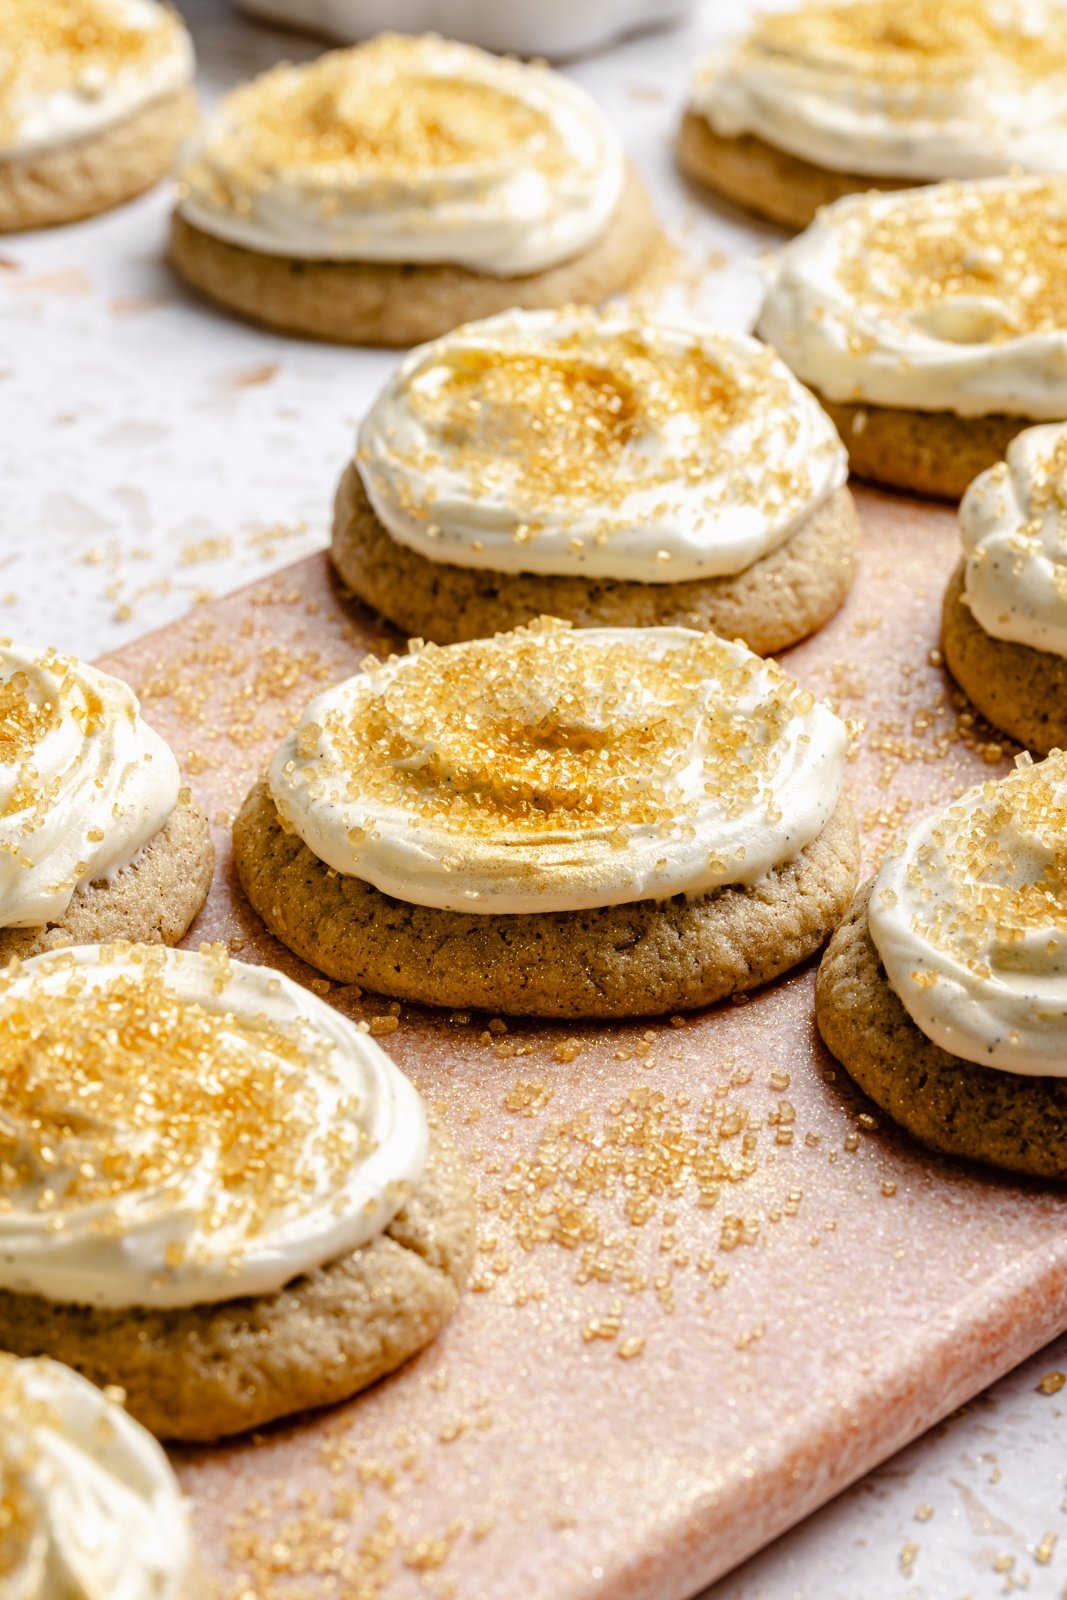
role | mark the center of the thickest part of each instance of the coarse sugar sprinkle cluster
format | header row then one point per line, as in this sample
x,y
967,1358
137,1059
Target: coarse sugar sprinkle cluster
x,y
544,731
921,44
52,45
114,1088
1005,860
601,413
30,710
984,262
381,113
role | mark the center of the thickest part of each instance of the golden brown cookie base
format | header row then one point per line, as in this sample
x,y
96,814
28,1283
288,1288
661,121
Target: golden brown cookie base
x,y
208,1371
152,901
926,452
380,303
759,177
952,1105
642,959
1019,690
91,175
779,599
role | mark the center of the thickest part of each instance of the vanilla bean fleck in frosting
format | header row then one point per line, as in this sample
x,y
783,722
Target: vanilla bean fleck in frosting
x,y
89,1504
556,769
178,1129
588,443
410,150
71,68
84,782
969,916
920,89
1013,523
948,298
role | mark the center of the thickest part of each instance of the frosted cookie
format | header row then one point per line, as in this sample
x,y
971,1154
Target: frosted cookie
x,y
599,823
602,469
250,1214
829,99
95,98
944,991
931,324
1004,625
89,1504
98,838
386,193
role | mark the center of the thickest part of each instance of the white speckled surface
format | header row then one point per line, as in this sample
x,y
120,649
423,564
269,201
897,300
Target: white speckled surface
x,y
154,451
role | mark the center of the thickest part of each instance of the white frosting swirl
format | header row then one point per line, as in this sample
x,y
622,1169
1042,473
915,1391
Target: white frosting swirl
x,y
177,1129
899,88
948,298
969,916
1013,523
89,1505
72,68
552,769
84,782
408,150
578,442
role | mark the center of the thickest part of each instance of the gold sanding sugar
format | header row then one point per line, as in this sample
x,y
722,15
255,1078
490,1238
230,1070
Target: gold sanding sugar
x,y
917,42
383,110
936,254
563,735
108,1089
55,44
570,423
1007,858
28,714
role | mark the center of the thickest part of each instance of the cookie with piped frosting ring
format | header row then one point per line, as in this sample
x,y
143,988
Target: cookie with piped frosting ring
x,y
828,99
944,990
1004,621
92,1504
218,1307
556,822
781,598
389,192
96,98
930,323
603,468
99,839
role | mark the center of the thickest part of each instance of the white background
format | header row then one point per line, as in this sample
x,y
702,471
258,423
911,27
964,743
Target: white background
x,y
154,453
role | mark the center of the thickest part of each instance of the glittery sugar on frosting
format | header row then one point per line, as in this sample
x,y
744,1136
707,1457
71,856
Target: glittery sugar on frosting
x,y
899,88
969,914
950,297
84,783
178,1128
407,149
588,443
553,768
68,66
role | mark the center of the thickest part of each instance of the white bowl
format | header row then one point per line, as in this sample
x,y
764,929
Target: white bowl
x,y
527,27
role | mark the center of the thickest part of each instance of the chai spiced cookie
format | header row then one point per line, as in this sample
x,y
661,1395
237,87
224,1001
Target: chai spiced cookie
x,y
91,1504
95,98
258,1216
1004,624
99,839
944,991
557,822
829,99
386,193
603,469
931,324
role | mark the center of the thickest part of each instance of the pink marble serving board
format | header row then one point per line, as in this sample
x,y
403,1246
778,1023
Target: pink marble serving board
x,y
671,1351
